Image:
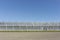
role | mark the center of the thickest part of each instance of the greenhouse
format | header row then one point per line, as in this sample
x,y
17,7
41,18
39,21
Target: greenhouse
x,y
29,26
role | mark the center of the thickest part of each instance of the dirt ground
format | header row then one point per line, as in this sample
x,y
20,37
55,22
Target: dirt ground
x,y
29,35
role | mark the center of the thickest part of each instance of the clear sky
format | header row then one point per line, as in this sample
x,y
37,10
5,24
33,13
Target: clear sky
x,y
29,10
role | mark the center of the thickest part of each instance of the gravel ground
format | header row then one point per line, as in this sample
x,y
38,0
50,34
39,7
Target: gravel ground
x,y
29,35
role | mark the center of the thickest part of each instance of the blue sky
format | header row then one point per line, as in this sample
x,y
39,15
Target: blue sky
x,y
29,10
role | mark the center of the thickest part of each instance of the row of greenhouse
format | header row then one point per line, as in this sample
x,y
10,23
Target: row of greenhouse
x,y
29,26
